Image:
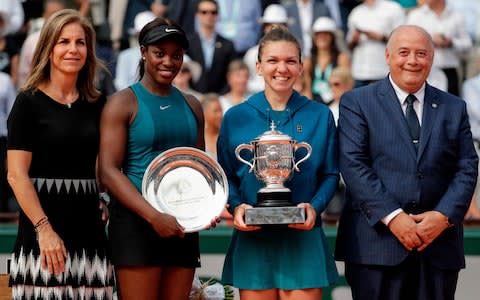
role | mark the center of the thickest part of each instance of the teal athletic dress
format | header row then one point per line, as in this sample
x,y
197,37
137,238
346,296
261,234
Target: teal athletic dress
x,y
161,123
280,257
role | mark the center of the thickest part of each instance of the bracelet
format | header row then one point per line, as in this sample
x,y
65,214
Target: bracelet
x,y
105,197
43,221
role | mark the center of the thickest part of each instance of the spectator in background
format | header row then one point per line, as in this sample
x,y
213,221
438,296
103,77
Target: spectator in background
x,y
190,72
7,97
325,56
304,13
438,79
340,82
301,85
335,13
346,6
370,24
183,12
8,51
407,4
104,49
213,118
471,94
210,49
49,7
160,7
30,43
126,69
470,9
237,79
274,15
83,6
134,7
116,18
450,37
12,11
238,22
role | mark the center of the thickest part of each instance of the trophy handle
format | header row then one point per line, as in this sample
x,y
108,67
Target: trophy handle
x,y
237,154
309,152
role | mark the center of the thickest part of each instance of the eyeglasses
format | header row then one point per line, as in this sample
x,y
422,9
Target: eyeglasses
x,y
212,12
335,83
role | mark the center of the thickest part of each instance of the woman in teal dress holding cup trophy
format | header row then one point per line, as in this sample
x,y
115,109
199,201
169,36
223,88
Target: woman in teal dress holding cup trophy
x,y
289,261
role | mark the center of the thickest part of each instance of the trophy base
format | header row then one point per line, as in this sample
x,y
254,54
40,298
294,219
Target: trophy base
x,y
274,215
274,199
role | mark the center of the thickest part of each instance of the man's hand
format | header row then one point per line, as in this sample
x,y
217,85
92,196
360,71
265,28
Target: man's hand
x,y
430,225
405,229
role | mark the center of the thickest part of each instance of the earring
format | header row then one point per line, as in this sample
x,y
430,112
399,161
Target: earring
x,y
143,58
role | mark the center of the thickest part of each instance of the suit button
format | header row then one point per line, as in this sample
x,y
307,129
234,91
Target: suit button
x,y
414,203
420,175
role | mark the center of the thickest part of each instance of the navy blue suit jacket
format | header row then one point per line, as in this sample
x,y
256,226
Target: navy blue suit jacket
x,y
383,172
213,80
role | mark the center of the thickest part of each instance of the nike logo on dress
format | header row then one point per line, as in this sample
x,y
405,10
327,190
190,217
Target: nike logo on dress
x,y
171,30
164,107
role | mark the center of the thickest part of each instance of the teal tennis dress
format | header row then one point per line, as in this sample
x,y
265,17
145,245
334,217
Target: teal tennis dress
x,y
275,257
161,123
285,258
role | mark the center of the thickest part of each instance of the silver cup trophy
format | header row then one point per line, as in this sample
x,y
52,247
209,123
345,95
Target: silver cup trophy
x,y
273,163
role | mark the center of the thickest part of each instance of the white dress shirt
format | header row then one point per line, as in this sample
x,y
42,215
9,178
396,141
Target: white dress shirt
x,y
452,25
368,57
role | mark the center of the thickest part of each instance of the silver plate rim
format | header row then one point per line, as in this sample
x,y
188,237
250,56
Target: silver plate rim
x,y
206,159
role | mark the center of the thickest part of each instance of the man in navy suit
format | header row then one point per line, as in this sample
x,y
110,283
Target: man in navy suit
x,y
410,169
210,49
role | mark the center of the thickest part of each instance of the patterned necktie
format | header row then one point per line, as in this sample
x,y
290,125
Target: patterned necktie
x,y
412,120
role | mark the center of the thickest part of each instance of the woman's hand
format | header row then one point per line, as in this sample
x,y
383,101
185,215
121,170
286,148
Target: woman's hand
x,y
52,250
167,226
214,222
104,209
311,216
239,218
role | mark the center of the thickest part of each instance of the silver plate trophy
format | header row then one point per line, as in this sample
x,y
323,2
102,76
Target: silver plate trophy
x,y
188,184
273,163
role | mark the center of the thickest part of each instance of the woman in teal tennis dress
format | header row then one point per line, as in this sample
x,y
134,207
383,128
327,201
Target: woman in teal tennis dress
x,y
153,257
293,262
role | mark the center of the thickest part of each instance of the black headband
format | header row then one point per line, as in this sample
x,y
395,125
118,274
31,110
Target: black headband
x,y
162,32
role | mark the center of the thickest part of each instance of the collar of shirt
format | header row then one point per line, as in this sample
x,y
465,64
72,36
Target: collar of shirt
x,y
402,96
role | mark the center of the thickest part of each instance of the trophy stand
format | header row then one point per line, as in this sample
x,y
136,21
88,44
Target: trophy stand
x,y
274,211
273,163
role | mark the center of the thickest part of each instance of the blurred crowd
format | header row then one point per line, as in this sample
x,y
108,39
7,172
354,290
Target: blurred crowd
x,y
343,44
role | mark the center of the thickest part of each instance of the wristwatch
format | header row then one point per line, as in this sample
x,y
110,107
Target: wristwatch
x,y
105,197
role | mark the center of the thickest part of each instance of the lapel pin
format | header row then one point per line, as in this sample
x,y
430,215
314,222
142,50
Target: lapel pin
x,y
434,105
299,128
